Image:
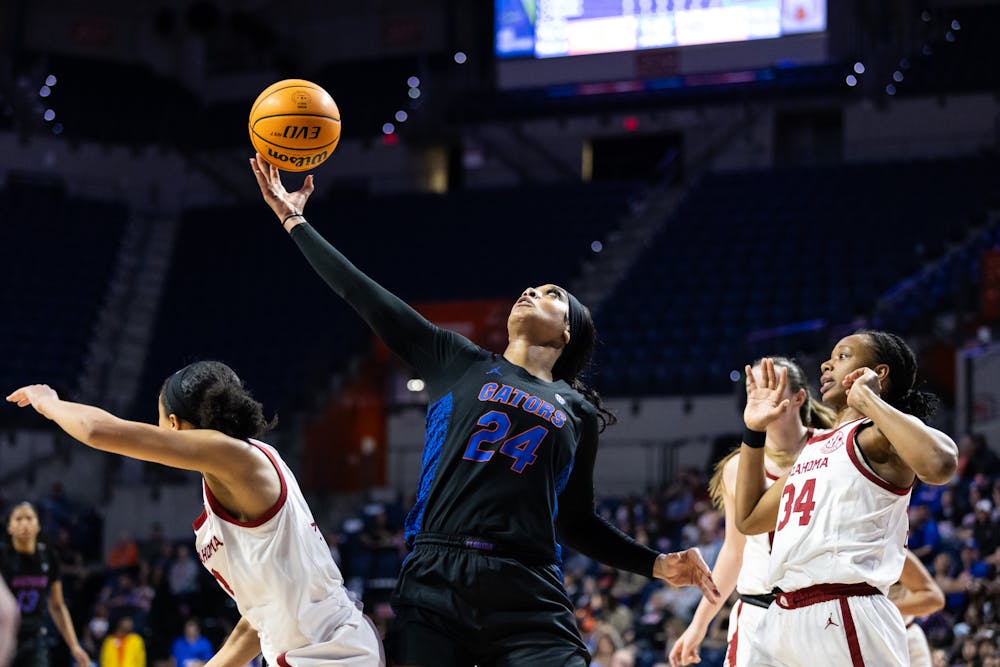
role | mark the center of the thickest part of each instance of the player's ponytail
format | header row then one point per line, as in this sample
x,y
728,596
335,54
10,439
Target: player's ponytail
x,y
575,358
209,394
901,392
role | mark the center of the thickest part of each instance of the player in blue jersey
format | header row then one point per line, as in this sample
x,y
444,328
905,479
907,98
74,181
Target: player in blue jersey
x,y
507,472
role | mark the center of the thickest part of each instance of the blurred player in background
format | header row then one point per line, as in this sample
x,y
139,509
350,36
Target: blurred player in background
x,y
31,571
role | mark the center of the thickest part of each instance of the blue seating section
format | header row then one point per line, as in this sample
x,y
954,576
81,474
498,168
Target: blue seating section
x,y
750,251
239,291
56,257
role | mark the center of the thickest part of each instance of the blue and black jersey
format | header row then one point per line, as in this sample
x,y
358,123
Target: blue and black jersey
x,y
508,457
30,577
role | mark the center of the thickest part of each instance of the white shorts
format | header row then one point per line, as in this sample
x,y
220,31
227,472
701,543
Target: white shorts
x,y
835,632
743,622
354,644
920,650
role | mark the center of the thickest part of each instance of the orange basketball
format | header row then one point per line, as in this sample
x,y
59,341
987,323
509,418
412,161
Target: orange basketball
x,y
294,124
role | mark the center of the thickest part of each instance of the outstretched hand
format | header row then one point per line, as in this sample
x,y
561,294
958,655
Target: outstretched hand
x,y
764,399
33,395
687,568
281,201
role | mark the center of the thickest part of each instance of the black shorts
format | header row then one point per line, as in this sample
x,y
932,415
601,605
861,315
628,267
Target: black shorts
x,y
458,606
32,651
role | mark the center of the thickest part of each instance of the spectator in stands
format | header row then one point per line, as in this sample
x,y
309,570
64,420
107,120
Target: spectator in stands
x,y
976,457
32,573
605,642
623,657
924,535
151,548
183,573
985,530
944,576
191,649
124,555
124,647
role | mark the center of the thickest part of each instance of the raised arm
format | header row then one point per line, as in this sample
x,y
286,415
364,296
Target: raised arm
x,y
205,451
725,573
756,507
582,529
927,452
418,342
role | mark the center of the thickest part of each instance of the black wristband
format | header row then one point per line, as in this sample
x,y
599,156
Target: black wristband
x,y
293,215
754,439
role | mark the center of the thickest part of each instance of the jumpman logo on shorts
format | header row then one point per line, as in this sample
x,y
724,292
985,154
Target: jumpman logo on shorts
x,y
830,622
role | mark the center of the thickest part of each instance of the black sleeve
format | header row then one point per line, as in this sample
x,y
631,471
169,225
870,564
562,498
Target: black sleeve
x,y
582,529
432,351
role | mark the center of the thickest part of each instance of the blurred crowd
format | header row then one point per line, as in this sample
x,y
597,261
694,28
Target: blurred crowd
x,y
151,601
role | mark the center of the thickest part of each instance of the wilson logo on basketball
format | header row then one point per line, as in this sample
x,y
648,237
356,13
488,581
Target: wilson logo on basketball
x,y
297,161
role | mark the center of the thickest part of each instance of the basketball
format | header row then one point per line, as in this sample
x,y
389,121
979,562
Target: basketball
x,y
294,124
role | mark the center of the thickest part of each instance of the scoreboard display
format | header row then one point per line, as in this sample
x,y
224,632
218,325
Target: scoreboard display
x,y
557,28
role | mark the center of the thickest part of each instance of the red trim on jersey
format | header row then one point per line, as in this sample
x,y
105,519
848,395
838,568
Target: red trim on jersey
x,y
200,521
852,634
852,453
282,662
223,514
771,477
826,434
731,650
811,595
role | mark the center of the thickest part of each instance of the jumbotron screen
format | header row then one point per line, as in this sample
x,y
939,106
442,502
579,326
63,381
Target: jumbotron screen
x,y
555,28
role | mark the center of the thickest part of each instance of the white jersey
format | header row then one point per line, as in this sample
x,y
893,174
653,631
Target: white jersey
x,y
752,579
277,568
838,522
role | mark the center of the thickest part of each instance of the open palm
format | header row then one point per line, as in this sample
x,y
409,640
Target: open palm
x,y
281,201
765,399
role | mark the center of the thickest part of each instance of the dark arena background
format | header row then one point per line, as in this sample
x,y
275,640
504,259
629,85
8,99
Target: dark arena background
x,y
717,179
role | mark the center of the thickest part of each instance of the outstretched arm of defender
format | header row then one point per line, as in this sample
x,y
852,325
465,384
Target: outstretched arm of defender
x,y
205,451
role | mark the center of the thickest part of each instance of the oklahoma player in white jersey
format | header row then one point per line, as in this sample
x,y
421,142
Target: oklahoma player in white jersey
x,y
840,535
256,536
742,561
